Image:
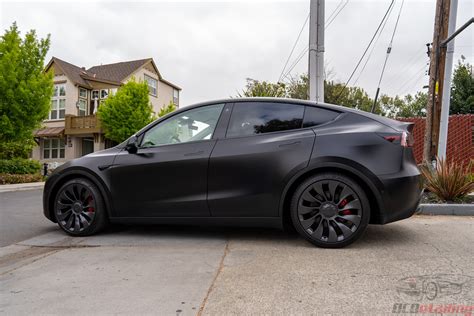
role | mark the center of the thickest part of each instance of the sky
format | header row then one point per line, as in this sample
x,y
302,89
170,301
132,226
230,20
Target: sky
x,y
210,48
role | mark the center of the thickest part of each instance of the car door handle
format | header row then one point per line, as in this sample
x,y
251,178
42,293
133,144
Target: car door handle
x,y
195,153
289,144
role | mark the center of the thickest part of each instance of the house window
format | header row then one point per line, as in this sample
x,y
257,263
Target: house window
x,y
104,93
58,102
82,93
95,94
152,85
113,91
81,107
176,96
53,148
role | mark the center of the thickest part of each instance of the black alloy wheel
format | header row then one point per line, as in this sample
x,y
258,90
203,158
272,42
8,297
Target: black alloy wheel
x,y
79,208
330,210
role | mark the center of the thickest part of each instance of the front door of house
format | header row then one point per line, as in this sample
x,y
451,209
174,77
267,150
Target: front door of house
x,y
87,145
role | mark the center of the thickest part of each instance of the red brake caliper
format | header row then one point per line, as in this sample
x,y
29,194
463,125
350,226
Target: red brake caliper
x,y
342,204
89,200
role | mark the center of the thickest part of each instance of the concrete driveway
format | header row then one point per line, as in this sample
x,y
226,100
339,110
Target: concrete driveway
x,y
210,271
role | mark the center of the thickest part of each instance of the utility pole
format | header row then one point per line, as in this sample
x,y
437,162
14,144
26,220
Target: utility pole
x,y
316,51
437,65
448,69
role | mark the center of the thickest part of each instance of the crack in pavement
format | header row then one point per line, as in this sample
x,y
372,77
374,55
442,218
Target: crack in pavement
x,y
211,287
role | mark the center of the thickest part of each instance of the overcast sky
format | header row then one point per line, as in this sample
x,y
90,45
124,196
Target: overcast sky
x,y
210,48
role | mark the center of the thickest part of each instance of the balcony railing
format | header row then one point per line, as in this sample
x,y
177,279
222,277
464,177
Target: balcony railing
x,y
82,125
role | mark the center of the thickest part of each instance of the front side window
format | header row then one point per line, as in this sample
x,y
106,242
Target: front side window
x,y
58,102
152,85
264,117
53,148
193,125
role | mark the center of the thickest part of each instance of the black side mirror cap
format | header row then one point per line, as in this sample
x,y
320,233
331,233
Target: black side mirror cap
x,y
132,145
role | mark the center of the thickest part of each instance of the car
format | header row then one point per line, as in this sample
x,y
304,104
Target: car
x,y
326,170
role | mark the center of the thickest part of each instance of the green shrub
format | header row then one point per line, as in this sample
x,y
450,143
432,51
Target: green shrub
x,y
19,166
449,181
7,178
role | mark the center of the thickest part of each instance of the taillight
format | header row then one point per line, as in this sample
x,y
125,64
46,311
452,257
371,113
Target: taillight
x,y
405,139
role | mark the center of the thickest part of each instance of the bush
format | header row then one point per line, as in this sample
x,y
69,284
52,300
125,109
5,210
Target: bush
x,y
449,181
19,166
7,178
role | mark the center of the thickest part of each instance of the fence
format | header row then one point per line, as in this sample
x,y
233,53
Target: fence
x,y
460,137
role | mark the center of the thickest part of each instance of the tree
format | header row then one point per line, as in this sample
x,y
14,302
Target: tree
x,y
167,109
255,88
126,112
462,90
25,91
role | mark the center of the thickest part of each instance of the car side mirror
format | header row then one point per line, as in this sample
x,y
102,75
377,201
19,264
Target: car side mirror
x,y
132,145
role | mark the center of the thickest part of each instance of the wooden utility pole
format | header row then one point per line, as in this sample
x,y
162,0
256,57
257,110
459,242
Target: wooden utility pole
x,y
435,90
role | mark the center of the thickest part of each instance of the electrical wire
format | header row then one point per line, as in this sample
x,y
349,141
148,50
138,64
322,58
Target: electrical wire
x,y
331,20
365,51
294,46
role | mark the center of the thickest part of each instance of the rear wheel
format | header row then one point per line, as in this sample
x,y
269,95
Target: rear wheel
x,y
79,208
330,210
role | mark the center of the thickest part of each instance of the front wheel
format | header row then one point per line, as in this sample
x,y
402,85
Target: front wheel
x,y
330,210
79,208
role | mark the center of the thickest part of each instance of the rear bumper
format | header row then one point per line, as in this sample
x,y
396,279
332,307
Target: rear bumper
x,y
400,194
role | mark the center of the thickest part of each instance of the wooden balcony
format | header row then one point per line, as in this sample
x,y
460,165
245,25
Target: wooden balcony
x,y
76,125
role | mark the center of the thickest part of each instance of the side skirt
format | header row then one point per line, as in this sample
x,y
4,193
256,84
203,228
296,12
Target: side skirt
x,y
273,222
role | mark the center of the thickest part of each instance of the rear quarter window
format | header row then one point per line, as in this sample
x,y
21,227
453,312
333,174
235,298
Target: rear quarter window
x,y
315,116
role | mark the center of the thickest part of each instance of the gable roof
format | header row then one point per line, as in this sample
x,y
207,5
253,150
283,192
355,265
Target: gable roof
x,y
118,71
114,73
73,72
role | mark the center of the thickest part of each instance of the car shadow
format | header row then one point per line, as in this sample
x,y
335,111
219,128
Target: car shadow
x,y
374,237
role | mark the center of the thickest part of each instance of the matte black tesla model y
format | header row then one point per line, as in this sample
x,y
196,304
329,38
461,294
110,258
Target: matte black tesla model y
x,y
327,170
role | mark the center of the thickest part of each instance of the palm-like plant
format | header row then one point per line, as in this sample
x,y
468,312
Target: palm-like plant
x,y
449,181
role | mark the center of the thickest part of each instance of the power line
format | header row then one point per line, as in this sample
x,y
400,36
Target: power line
x,y
296,61
335,9
331,20
366,49
294,46
372,49
389,50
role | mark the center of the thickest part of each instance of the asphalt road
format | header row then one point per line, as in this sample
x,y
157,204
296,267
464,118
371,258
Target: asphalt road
x,y
21,216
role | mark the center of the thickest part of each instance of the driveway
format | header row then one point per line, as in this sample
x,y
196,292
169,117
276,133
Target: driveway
x,y
215,271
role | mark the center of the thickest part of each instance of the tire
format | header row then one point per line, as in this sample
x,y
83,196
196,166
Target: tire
x,y
79,208
330,210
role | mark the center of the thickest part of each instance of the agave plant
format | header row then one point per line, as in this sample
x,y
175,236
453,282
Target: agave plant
x,y
449,181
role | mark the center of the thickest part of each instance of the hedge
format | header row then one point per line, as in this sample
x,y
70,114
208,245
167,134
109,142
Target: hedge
x,y
19,166
6,178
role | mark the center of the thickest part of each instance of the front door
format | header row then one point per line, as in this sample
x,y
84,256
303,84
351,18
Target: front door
x,y
87,145
168,175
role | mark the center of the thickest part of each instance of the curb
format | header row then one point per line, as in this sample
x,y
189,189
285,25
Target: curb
x,y
446,209
21,186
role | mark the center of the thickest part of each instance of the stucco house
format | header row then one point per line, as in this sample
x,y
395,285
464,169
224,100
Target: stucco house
x,y
72,128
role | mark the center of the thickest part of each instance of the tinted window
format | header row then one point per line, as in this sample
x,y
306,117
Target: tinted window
x,y
193,125
314,116
265,117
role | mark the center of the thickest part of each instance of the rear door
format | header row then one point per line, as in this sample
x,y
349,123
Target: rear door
x,y
265,145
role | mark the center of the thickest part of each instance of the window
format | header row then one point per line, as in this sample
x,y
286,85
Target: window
x,y
314,116
192,125
82,93
176,96
104,93
264,117
95,94
53,148
113,91
81,107
58,102
152,85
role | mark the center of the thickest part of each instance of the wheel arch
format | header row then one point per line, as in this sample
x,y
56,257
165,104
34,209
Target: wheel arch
x,y
355,171
75,173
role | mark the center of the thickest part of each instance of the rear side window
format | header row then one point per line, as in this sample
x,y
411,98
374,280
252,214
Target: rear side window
x,y
264,117
315,116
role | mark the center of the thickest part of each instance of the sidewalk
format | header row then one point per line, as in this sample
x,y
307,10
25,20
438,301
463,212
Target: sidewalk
x,y
21,186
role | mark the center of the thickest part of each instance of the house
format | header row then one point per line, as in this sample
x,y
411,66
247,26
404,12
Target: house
x,y
72,128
